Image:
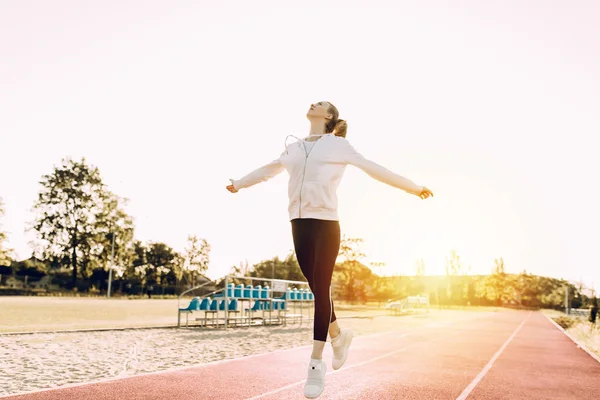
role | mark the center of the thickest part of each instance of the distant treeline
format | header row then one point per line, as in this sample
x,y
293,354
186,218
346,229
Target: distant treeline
x,y
356,283
352,282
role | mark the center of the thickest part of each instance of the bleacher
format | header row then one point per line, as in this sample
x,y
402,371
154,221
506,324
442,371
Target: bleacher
x,y
579,312
277,302
408,304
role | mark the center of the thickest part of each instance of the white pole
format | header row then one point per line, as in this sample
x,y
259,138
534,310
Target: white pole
x,y
226,301
112,260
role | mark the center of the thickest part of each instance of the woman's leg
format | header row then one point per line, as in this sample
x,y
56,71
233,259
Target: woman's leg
x,y
316,250
334,329
303,232
317,246
327,248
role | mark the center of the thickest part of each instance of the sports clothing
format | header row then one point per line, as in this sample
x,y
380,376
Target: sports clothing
x,y
316,170
315,381
340,346
317,244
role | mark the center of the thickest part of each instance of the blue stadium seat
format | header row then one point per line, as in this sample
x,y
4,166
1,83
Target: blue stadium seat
x,y
193,306
284,296
239,291
279,305
264,293
204,304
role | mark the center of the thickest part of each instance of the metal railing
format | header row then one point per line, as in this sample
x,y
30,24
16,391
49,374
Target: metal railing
x,y
581,312
289,308
189,290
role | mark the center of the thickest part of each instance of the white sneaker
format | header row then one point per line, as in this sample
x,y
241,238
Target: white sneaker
x,y
316,379
340,345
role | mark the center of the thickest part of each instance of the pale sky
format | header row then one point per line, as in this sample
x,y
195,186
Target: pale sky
x,y
492,105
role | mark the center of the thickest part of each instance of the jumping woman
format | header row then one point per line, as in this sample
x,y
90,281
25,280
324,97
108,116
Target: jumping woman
x,y
316,165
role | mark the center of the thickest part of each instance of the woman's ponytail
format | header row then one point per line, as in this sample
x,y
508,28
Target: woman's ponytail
x,y
340,128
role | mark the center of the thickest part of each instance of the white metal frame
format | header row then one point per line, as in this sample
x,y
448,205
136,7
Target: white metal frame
x,y
246,317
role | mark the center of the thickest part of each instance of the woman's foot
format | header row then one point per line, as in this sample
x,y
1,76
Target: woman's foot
x,y
315,382
341,344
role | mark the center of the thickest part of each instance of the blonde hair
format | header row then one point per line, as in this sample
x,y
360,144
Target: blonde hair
x,y
339,126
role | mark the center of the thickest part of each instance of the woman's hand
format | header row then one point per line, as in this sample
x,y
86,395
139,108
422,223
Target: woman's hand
x,y
425,193
231,188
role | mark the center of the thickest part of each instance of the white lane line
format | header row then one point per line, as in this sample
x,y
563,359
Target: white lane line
x,y
260,396
281,389
490,363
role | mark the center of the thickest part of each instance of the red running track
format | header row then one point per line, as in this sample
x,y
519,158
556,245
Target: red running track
x,y
503,355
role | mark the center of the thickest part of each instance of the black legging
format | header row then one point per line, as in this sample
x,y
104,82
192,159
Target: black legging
x,y
317,244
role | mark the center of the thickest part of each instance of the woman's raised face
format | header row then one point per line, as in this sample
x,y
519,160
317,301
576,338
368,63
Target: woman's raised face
x,y
319,110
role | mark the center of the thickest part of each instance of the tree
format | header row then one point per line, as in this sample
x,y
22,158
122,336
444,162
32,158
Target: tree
x,y
526,289
5,252
385,288
350,249
456,289
351,277
136,270
68,208
113,220
420,267
499,266
287,269
417,283
196,257
498,289
243,269
454,266
163,264
551,291
31,267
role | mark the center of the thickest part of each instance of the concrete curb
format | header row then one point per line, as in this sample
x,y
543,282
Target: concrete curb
x,y
577,342
127,328
89,330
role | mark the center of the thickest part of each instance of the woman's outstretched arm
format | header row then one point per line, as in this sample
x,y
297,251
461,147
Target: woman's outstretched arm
x,y
376,171
261,174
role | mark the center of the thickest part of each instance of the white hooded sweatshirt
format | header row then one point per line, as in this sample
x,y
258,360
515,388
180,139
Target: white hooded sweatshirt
x,y
316,169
